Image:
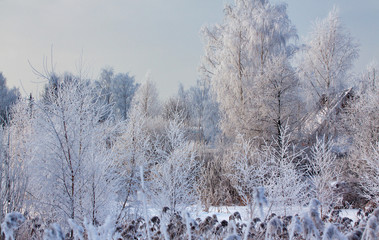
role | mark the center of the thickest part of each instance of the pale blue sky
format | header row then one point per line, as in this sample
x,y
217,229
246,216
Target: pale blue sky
x,y
139,35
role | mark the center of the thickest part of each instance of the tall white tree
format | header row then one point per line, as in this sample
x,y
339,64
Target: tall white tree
x,y
328,59
238,53
72,155
16,152
133,149
147,99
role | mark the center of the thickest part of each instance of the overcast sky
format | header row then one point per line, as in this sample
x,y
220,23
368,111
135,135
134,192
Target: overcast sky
x,y
136,36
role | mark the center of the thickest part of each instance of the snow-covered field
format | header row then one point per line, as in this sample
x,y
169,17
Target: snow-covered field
x,y
224,212
224,222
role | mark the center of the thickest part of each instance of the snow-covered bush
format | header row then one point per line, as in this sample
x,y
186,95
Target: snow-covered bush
x,y
274,228
173,178
247,170
309,228
213,185
12,222
286,184
275,167
332,233
77,229
54,232
295,228
132,149
370,173
371,229
104,232
324,171
313,212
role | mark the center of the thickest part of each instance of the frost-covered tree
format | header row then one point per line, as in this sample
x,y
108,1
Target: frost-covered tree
x,y
54,84
176,106
361,123
370,174
239,57
16,152
123,90
204,112
328,59
105,83
72,154
8,97
276,168
146,98
370,78
173,178
286,185
324,173
279,91
248,169
361,118
117,89
132,150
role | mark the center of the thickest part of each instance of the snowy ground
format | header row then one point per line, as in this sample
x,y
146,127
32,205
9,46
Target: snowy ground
x,y
223,212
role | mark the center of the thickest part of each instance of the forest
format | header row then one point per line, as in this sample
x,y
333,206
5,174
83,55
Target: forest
x,y
283,130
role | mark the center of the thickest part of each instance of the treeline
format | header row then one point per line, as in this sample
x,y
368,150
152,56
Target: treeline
x,y
267,112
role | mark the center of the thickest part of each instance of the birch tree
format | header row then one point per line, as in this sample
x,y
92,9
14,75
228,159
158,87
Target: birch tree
x,y
16,153
146,98
328,59
238,54
72,155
